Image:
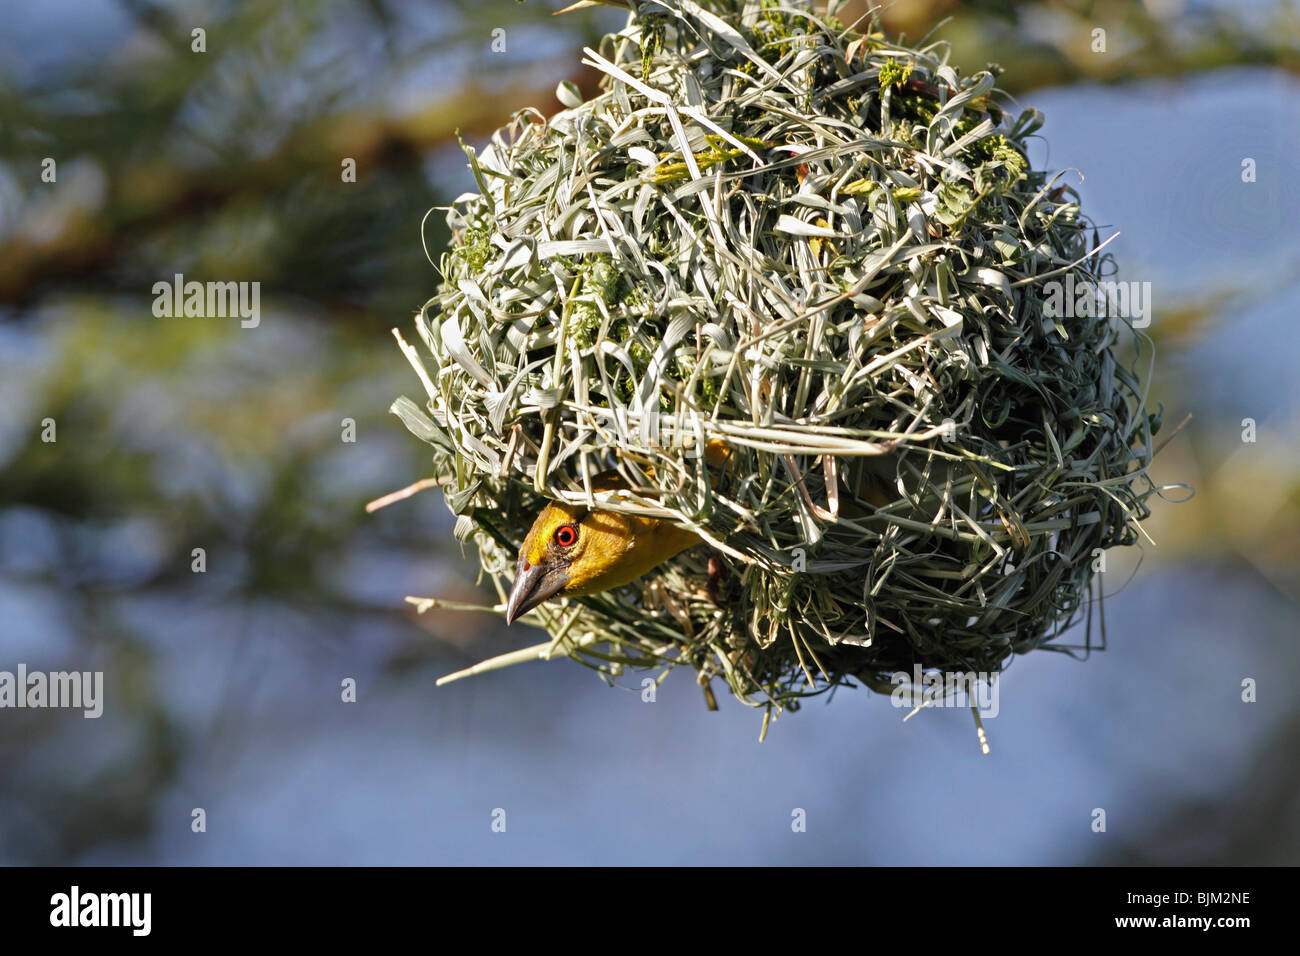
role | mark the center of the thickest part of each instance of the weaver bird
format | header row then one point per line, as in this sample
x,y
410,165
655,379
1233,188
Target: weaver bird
x,y
572,550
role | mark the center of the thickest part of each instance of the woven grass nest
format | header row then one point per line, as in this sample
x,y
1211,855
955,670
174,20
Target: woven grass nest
x,y
827,251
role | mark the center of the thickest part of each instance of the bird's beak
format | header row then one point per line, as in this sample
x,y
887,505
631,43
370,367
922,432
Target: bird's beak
x,y
533,586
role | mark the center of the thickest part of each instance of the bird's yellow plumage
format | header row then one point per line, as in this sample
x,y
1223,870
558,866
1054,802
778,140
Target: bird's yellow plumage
x,y
611,550
572,550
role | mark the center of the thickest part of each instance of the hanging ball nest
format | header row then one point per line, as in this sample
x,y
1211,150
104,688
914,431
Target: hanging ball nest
x,y
829,253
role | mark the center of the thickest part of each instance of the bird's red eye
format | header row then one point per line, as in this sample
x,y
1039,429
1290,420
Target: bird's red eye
x,y
566,535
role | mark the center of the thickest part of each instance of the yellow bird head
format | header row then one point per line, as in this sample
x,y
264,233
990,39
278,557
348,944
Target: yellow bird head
x,y
572,550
